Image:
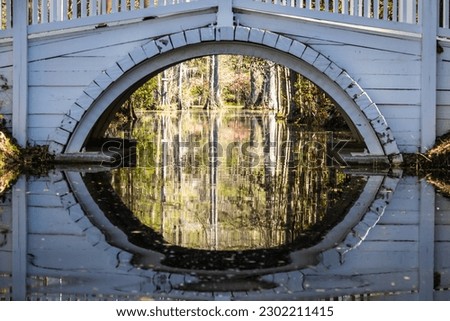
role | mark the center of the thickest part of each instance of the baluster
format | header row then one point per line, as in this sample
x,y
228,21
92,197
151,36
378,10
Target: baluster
x,y
317,5
326,5
376,9
367,11
385,9
74,9
66,10
407,11
102,8
308,4
335,6
345,6
44,9
83,8
92,8
301,4
56,10
444,14
115,5
394,10
51,9
360,8
34,14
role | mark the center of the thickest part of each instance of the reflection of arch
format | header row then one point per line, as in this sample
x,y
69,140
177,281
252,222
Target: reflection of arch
x,y
90,114
344,237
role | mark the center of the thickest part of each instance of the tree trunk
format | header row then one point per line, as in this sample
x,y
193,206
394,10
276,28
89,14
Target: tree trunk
x,y
271,86
214,100
180,102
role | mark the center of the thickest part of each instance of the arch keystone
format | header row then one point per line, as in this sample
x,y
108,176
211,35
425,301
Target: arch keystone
x,y
225,33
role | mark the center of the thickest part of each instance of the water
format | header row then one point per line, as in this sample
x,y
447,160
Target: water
x,y
224,205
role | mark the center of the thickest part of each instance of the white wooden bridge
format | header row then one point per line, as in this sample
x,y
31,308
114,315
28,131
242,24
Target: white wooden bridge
x,y
66,65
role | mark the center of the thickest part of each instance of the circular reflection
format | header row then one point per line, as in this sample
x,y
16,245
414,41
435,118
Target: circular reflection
x,y
220,191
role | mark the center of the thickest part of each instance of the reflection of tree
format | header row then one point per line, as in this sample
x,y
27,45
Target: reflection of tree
x,y
267,190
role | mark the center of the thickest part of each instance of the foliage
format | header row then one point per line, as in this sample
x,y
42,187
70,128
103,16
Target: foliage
x,y
245,81
15,160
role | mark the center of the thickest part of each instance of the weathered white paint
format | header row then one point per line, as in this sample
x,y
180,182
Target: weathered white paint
x,y
429,76
398,254
337,83
20,74
382,52
19,241
426,235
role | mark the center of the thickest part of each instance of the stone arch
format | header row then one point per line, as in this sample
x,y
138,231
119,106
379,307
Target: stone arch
x,y
127,74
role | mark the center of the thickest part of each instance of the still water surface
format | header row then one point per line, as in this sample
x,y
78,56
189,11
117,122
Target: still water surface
x,y
224,205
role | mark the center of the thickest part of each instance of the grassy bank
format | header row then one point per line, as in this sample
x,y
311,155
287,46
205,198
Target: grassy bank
x,y
15,160
434,165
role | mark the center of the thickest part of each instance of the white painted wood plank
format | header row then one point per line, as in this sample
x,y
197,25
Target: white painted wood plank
x,y
442,295
6,58
45,120
381,261
443,97
443,204
399,217
442,233
442,124
400,112
51,221
402,97
6,262
442,250
41,133
61,79
7,242
35,200
47,99
394,233
388,246
89,62
68,252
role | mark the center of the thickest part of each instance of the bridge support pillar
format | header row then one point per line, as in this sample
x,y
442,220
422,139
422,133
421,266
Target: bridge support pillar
x,y
225,15
429,75
20,72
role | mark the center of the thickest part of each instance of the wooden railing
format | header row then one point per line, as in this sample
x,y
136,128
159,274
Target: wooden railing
x,y
48,11
407,11
45,11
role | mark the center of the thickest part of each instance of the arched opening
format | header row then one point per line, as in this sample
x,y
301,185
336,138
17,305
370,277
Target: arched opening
x,y
362,116
355,120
